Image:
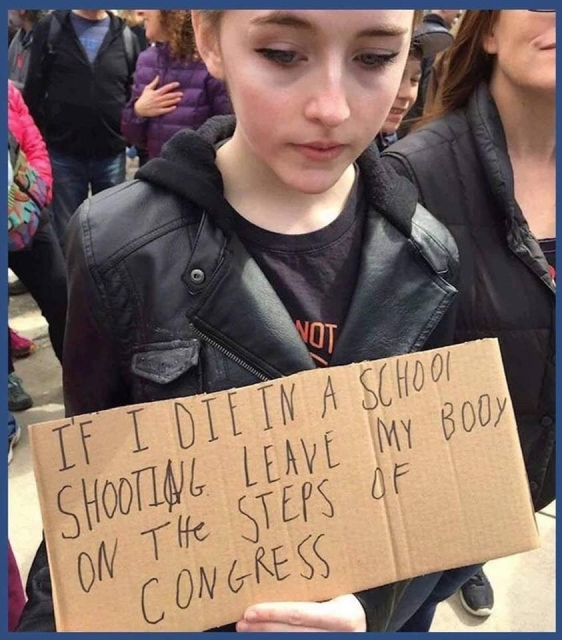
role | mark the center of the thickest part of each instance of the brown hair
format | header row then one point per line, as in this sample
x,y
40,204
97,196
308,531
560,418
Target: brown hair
x,y
463,65
177,25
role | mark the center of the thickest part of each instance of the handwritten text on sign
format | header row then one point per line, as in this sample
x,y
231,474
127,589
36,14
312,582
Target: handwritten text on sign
x,y
176,515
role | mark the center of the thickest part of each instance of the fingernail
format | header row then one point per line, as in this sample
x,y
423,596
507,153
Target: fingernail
x,y
250,616
242,626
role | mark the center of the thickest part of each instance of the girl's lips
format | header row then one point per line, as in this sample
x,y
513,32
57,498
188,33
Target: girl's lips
x,y
320,151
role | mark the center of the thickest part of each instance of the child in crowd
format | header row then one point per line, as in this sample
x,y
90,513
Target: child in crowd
x,y
428,40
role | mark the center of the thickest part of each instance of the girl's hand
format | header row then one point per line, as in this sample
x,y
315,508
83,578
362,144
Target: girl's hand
x,y
343,613
157,102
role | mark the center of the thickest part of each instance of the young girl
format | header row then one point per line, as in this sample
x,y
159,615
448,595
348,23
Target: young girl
x,y
200,275
172,87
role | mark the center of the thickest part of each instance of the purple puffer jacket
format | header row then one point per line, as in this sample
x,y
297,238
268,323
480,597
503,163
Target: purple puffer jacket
x,y
203,97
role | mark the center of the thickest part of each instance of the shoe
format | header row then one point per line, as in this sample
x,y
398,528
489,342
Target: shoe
x,y
13,437
16,288
477,595
18,398
20,347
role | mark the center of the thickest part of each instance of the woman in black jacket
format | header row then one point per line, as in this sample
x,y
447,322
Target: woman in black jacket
x,y
484,164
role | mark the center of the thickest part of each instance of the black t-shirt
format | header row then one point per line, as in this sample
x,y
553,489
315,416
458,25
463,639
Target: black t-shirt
x,y
314,274
548,247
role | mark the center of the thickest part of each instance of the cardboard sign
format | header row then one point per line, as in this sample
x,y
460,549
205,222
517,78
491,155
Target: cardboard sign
x,y
177,515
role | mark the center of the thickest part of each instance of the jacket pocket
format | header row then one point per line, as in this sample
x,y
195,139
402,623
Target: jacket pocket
x,y
166,370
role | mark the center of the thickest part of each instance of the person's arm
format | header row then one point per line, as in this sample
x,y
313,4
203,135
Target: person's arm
x,y
91,372
31,141
37,79
134,127
136,52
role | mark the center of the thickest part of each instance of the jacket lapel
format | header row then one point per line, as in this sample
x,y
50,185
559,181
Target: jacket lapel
x,y
241,311
397,300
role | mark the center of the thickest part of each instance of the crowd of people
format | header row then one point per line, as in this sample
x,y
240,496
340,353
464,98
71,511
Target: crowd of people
x,y
391,155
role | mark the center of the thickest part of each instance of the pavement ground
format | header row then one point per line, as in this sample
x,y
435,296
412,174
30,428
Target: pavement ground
x,y
524,585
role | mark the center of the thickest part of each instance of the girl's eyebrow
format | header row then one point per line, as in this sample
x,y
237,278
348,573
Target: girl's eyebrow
x,y
288,19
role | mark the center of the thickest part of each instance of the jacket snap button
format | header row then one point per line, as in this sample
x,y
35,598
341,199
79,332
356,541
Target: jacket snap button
x,y
546,421
197,276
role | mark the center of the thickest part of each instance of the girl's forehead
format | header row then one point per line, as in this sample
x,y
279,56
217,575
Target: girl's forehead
x,y
352,21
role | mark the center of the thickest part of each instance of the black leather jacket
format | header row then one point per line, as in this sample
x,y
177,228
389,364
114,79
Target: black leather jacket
x,y
165,301
460,165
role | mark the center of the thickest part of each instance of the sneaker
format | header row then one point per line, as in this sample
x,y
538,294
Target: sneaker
x,y
20,347
13,437
477,595
18,398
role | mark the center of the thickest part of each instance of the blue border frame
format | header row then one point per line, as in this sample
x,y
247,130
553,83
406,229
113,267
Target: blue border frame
x,y
217,4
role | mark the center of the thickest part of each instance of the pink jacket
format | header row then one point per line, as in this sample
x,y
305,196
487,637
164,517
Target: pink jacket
x,y
24,130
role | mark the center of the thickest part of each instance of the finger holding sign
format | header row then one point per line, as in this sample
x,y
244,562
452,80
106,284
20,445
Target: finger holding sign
x,y
344,613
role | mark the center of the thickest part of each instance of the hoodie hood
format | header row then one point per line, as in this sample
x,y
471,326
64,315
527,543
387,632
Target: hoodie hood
x,y
187,167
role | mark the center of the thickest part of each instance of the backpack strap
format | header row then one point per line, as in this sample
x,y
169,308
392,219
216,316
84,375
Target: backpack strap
x,y
54,30
129,49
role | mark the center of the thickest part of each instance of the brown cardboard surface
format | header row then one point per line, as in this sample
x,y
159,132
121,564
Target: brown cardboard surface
x,y
177,515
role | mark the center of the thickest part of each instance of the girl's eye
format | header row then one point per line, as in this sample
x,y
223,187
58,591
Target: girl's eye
x,y
376,60
280,56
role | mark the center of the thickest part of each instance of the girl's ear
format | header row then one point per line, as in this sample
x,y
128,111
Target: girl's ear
x,y
208,45
489,42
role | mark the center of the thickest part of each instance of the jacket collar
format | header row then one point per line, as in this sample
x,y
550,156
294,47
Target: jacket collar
x,y
491,146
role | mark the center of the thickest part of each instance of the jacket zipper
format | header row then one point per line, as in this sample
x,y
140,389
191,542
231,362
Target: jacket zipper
x,y
231,356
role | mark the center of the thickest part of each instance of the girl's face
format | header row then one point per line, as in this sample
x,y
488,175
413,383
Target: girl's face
x,y
524,43
153,26
310,89
407,95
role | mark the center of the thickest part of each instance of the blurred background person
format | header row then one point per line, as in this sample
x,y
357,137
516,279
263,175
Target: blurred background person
x,y
426,43
134,19
79,79
40,266
441,21
484,164
172,88
19,51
